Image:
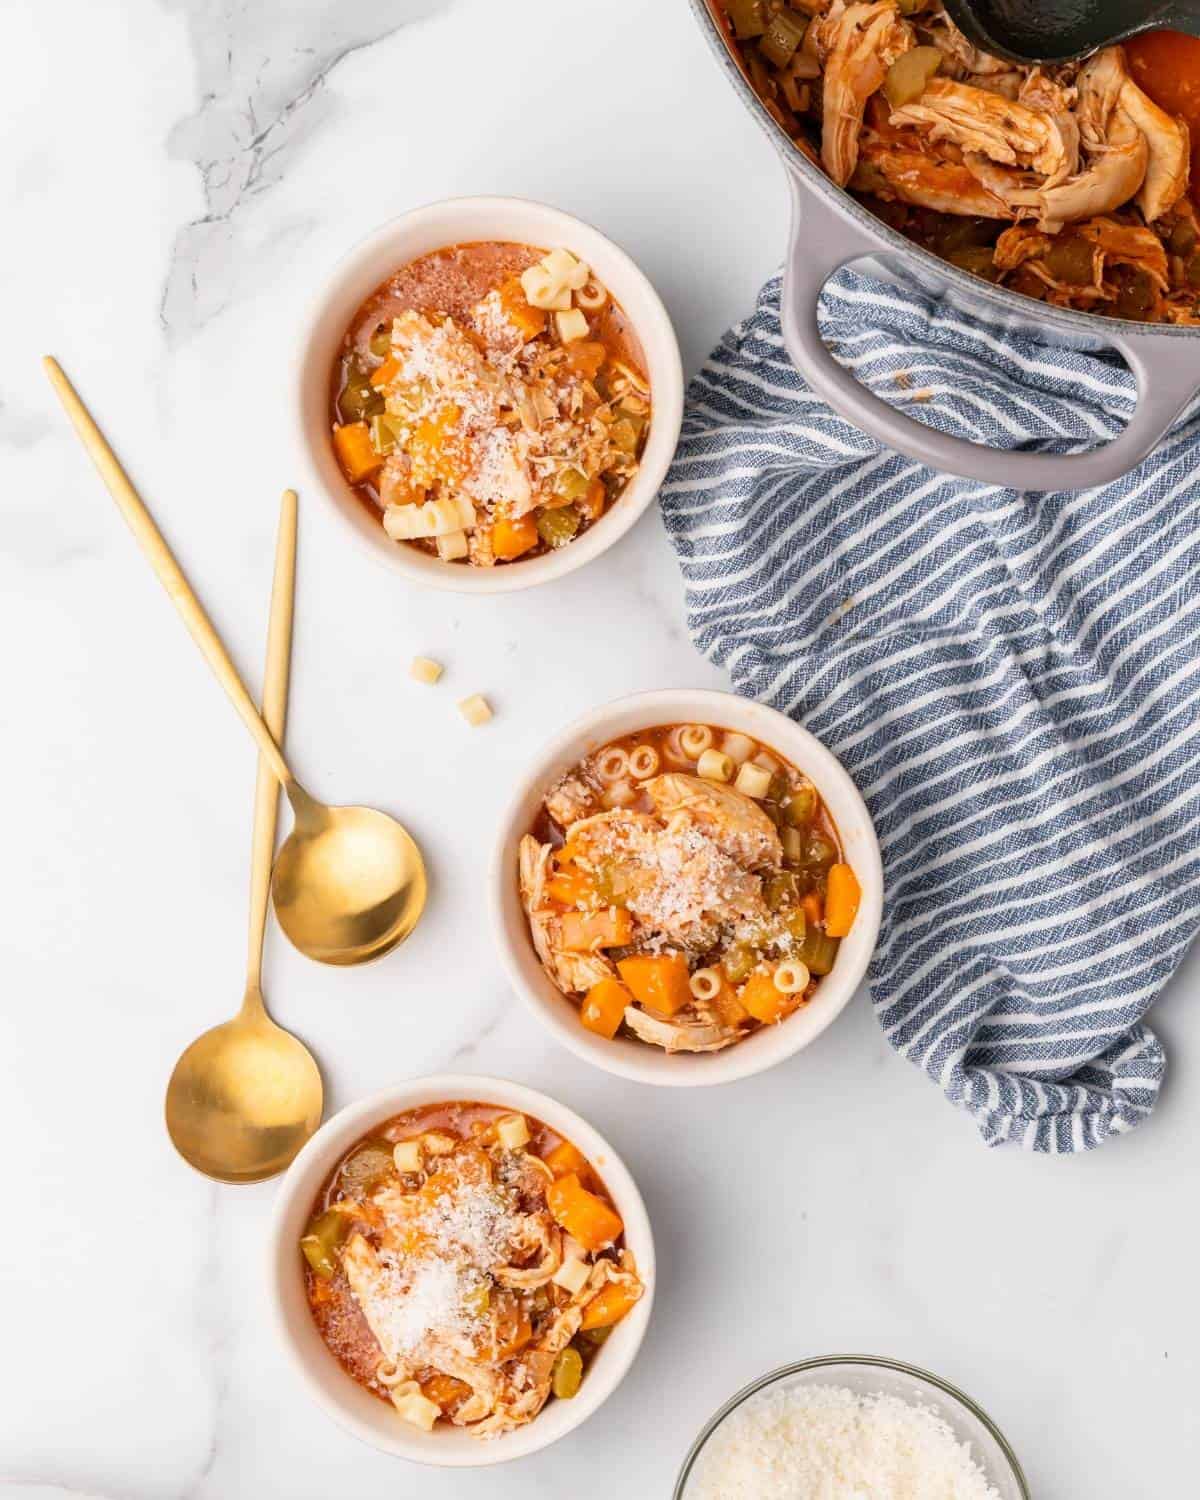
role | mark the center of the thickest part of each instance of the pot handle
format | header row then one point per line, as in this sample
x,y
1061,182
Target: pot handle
x,y
823,240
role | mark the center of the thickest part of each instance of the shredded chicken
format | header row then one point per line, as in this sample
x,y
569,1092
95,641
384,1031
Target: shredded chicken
x,y
1045,149
856,45
976,120
678,1036
734,820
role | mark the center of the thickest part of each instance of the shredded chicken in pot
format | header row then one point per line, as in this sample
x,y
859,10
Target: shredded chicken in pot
x,y
1069,184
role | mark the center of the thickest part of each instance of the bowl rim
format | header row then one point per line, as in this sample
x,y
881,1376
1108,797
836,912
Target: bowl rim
x,y
639,1062
652,325
294,1199
869,1361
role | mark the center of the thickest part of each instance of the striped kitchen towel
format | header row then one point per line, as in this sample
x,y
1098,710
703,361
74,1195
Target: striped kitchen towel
x,y
1012,679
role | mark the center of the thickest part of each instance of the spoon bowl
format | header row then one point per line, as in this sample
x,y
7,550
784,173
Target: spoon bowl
x,y
349,882
1058,31
244,1097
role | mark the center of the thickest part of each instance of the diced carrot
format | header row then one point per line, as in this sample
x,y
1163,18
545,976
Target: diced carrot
x,y
445,1391
593,503
386,372
566,1159
513,538
658,981
352,444
518,1336
431,453
529,321
585,931
604,1008
582,1214
610,1305
811,902
842,895
764,1002
586,358
571,887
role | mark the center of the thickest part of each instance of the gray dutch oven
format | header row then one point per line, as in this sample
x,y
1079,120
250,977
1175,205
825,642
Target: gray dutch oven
x,y
830,229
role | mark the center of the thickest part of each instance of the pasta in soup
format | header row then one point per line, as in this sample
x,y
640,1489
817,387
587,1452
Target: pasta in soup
x,y
685,886
465,1263
489,402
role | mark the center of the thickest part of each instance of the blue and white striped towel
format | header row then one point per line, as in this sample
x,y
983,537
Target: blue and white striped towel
x,y
1012,679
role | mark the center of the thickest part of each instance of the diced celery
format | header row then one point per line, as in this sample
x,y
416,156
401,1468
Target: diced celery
x,y
747,16
782,37
383,439
571,484
325,1233
556,527
567,1373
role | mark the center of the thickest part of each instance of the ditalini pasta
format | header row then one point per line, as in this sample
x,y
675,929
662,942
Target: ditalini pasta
x,y
685,886
464,1263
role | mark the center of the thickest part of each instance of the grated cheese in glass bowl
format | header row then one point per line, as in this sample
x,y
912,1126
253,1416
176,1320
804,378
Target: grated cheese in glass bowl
x,y
850,1427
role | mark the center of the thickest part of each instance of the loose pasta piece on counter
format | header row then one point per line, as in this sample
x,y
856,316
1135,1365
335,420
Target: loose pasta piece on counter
x,y
475,709
425,669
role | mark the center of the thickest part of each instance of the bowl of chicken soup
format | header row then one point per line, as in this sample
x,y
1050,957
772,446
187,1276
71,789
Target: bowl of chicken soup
x,y
489,393
460,1270
686,888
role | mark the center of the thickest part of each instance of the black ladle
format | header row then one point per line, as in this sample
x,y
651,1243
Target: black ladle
x,y
1055,31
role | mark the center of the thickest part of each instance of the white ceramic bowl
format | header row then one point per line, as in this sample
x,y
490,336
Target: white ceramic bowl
x,y
365,1416
768,1045
463,221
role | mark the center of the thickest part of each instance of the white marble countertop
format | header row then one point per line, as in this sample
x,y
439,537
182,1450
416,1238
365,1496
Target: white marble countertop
x,y
177,178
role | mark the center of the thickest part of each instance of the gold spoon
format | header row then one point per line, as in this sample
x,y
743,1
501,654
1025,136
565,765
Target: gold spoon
x,y
246,1095
349,882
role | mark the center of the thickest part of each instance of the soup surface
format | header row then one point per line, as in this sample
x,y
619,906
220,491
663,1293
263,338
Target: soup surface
x,y
465,1263
1069,184
685,886
489,402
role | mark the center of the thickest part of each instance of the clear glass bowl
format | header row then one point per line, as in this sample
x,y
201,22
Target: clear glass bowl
x,y
868,1376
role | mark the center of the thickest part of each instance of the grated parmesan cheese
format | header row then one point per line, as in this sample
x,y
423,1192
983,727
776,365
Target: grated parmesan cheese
x,y
424,1283
828,1443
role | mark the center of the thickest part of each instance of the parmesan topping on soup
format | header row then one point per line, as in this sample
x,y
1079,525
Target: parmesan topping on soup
x,y
685,885
492,405
467,1272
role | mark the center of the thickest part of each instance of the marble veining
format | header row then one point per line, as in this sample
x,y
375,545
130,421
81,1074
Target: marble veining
x,y
261,74
174,187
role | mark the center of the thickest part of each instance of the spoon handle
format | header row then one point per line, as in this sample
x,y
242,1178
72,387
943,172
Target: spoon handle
x,y
274,712
170,575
